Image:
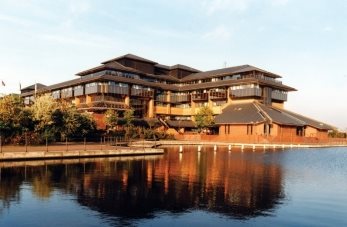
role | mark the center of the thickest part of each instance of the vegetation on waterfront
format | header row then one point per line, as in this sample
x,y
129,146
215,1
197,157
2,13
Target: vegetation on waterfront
x,y
45,120
204,118
48,120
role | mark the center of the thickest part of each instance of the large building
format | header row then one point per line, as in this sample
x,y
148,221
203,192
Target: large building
x,y
247,101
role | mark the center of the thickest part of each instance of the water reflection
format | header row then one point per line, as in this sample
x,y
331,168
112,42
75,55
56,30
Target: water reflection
x,y
236,185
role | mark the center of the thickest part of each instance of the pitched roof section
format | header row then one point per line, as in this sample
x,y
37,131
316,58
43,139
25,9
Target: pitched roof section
x,y
280,117
184,67
253,113
111,65
32,87
245,113
130,56
226,71
311,122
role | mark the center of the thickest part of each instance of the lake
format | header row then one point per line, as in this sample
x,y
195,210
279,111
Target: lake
x,y
292,187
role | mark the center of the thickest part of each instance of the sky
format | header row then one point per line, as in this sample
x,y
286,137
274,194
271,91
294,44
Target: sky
x,y
303,41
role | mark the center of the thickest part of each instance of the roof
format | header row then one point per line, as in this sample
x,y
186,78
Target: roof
x,y
226,71
255,112
162,66
184,67
130,56
280,117
110,65
311,122
245,113
181,124
32,87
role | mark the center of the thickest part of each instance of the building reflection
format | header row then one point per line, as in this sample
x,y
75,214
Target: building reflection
x,y
233,184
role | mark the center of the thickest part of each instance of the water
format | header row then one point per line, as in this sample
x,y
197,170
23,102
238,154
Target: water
x,y
299,187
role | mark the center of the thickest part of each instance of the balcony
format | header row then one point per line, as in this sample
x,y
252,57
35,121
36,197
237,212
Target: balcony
x,y
218,95
113,89
200,97
78,91
93,89
66,93
180,98
140,92
279,96
161,98
246,92
56,94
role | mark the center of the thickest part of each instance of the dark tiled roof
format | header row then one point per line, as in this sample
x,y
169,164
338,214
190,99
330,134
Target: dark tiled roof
x,y
162,66
181,124
110,65
280,117
226,71
252,113
245,113
311,122
130,56
184,67
32,87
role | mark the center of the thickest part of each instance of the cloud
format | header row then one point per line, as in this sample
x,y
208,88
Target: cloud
x,y
327,29
79,7
215,6
15,20
279,2
221,33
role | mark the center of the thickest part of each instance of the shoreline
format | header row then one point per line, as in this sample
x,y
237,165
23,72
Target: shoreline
x,y
71,154
231,144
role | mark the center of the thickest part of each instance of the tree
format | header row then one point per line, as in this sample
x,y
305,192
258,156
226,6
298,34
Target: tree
x,y
204,117
42,110
10,109
128,118
111,118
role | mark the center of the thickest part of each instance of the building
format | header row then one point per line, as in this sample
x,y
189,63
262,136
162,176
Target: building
x,y
248,102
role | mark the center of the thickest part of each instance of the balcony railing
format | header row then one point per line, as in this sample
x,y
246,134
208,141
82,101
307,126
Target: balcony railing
x,y
66,94
279,96
246,92
112,89
56,95
93,89
180,98
161,98
107,89
78,91
140,92
101,98
200,97
217,95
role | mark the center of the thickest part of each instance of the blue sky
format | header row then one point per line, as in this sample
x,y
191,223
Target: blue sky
x,y
304,41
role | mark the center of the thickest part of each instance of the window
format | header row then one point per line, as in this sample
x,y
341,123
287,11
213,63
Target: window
x,y
249,129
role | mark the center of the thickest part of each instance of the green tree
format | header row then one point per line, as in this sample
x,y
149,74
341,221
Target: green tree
x,y
111,119
128,118
42,110
204,117
10,109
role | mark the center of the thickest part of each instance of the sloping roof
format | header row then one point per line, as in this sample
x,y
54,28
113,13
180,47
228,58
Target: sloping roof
x,y
162,66
184,67
110,65
309,121
245,113
181,124
254,112
130,56
226,71
280,117
32,87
